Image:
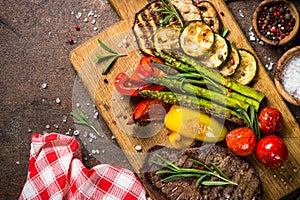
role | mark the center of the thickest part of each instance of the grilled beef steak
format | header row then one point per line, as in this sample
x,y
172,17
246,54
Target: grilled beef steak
x,y
238,170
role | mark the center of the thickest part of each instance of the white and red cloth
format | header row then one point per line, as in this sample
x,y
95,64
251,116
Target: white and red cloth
x,y
56,172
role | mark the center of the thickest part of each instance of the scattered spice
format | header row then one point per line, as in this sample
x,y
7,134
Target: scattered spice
x,y
275,21
77,28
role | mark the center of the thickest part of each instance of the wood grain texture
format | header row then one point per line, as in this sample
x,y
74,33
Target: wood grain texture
x,y
116,109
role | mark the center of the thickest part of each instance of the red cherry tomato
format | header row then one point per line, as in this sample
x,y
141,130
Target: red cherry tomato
x,y
270,120
241,141
271,151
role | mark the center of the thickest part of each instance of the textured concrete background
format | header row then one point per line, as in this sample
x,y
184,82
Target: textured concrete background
x,y
34,50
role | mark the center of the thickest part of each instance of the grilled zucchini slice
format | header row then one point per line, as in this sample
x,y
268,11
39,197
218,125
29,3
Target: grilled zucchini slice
x,y
196,38
218,55
247,69
166,38
233,62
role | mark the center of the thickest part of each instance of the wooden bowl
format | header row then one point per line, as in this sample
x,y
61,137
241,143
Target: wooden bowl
x,y
293,12
282,63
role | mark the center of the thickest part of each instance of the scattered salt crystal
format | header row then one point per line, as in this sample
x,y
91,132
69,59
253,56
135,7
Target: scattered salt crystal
x,y
113,137
67,133
96,115
291,76
77,104
44,85
295,170
72,13
91,13
65,117
18,162
252,38
78,15
241,13
57,100
93,21
85,20
103,151
29,131
95,28
261,42
76,132
55,126
138,147
47,126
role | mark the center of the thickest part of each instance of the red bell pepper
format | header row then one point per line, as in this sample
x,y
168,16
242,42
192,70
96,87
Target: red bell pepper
x,y
126,86
149,110
146,69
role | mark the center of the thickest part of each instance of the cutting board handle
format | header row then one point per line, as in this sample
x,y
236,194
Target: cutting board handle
x,y
127,8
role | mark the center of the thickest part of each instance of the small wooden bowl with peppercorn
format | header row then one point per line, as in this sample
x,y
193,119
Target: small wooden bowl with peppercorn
x,y
275,22
287,76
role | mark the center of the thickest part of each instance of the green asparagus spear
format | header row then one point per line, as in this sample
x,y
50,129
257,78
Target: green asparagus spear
x,y
194,103
216,97
213,75
216,88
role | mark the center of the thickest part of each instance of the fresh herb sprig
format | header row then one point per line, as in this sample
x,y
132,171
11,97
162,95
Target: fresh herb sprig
x,y
113,56
170,11
178,172
82,119
250,119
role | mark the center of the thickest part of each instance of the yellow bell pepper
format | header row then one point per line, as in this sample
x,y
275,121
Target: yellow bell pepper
x,y
193,124
180,142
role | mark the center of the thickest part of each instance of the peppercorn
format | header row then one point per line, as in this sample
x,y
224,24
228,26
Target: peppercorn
x,y
275,22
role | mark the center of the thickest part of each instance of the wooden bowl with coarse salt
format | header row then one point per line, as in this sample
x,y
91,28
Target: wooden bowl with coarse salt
x,y
276,22
287,76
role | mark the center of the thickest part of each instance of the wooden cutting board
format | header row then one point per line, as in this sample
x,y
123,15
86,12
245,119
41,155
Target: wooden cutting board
x,y
116,109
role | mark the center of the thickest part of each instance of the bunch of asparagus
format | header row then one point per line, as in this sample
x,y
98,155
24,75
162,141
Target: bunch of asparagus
x,y
197,87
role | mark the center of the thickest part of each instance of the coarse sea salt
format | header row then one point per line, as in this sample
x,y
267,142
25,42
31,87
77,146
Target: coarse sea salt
x,y
291,76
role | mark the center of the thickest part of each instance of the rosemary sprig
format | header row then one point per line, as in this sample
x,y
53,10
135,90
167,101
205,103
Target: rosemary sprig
x,y
170,11
82,119
176,172
113,56
250,119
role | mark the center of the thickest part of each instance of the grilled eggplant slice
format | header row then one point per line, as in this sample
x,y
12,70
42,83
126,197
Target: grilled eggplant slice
x,y
233,62
196,38
166,37
209,15
218,55
187,9
146,22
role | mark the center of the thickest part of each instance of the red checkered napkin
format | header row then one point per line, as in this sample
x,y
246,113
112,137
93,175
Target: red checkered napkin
x,y
55,171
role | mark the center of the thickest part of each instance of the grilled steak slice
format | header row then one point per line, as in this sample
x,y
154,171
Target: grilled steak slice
x,y
238,170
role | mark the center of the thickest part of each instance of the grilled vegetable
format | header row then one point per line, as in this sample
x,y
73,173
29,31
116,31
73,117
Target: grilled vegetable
x,y
195,125
194,103
219,98
187,9
215,76
209,15
232,63
196,38
166,38
218,55
146,22
149,110
180,142
246,71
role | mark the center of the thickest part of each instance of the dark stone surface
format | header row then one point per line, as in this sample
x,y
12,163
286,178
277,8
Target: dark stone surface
x,y
34,50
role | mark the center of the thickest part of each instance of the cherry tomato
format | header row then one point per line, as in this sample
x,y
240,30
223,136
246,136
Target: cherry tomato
x,y
241,141
270,120
271,151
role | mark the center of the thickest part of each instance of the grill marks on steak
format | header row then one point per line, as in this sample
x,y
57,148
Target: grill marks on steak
x,y
238,170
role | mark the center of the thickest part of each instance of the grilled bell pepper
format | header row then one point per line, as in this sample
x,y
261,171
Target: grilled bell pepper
x,y
126,86
149,110
193,124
